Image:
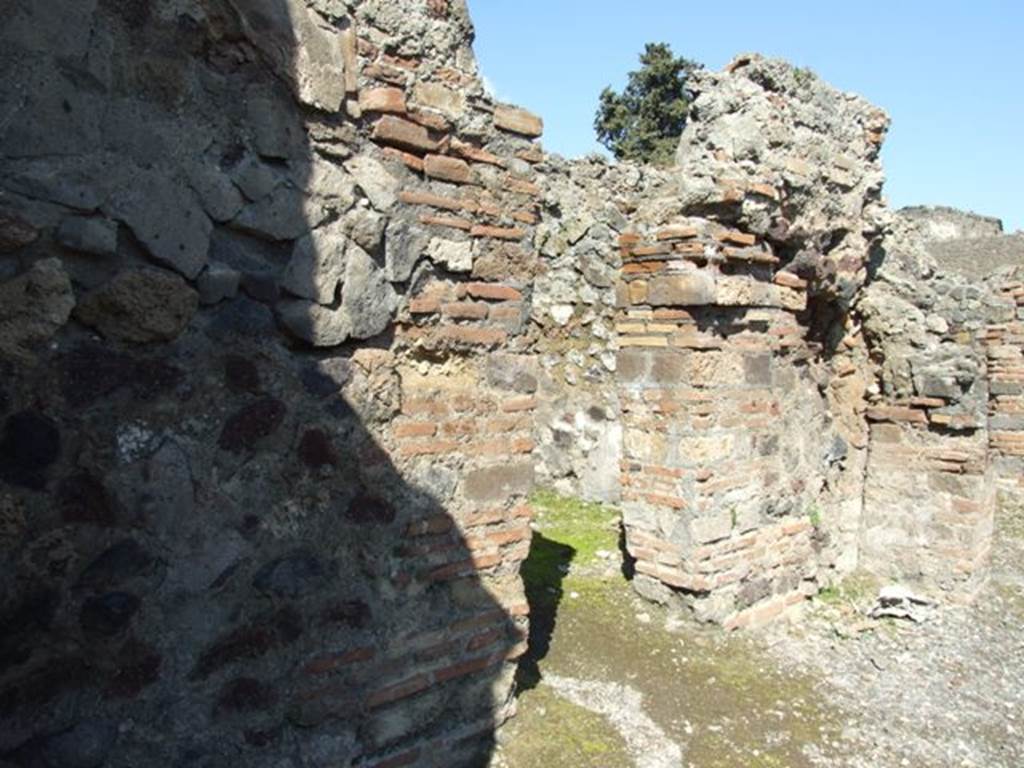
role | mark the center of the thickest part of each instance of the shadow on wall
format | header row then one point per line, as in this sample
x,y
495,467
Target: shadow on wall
x,y
208,557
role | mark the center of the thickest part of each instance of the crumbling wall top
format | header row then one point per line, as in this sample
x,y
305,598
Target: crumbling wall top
x,y
775,149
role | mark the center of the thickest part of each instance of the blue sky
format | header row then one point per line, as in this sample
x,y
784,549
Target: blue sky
x,y
951,74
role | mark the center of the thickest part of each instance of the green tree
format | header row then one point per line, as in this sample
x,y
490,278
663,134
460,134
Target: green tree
x,y
644,122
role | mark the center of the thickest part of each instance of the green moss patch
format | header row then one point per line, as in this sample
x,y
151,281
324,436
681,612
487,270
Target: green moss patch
x,y
550,731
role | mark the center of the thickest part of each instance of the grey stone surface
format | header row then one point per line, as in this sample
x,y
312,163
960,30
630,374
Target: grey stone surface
x,y
692,289
319,325
166,218
216,283
376,181
281,215
317,264
404,244
301,46
218,195
93,235
490,483
366,295
823,148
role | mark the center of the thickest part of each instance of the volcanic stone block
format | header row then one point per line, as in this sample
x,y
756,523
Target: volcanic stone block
x,y
689,289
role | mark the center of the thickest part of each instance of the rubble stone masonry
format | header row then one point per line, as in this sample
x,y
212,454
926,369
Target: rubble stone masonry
x,y
293,315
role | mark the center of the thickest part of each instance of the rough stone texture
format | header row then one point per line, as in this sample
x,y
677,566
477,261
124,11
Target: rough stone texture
x,y
275,510
88,235
1005,350
33,307
964,243
929,497
232,529
582,215
777,150
140,305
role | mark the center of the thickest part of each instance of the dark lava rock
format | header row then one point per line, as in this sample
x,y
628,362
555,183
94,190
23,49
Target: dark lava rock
x,y
44,684
351,613
245,694
138,666
315,449
242,317
366,509
90,371
86,744
253,422
122,562
153,377
24,625
15,232
241,374
251,641
293,576
108,614
84,499
326,377
29,445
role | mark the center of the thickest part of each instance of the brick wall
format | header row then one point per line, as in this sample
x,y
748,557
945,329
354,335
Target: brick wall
x,y
1005,345
727,440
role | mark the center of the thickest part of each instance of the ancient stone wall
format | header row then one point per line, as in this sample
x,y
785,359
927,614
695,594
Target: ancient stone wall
x,y
587,204
929,493
263,476
1005,347
743,435
291,314
726,435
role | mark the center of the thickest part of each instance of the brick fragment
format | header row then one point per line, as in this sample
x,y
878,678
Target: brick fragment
x,y
429,120
417,429
447,169
492,291
406,158
789,280
403,134
522,186
737,238
651,250
446,221
383,100
465,310
475,154
676,233
414,197
398,691
498,233
517,120
464,334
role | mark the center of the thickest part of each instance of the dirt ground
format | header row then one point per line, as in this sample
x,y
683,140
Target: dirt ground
x,y
612,681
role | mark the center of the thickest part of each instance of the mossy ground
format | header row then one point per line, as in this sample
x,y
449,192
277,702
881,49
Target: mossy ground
x,y
716,695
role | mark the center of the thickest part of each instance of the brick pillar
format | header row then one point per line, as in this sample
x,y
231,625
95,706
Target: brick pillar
x,y
724,433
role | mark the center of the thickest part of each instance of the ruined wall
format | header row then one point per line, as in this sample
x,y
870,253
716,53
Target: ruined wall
x,y
929,494
262,483
743,442
587,205
1005,347
290,310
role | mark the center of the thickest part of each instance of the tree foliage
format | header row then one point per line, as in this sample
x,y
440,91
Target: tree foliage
x,y
644,122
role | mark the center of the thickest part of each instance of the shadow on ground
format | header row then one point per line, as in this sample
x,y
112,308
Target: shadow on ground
x,y
543,572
